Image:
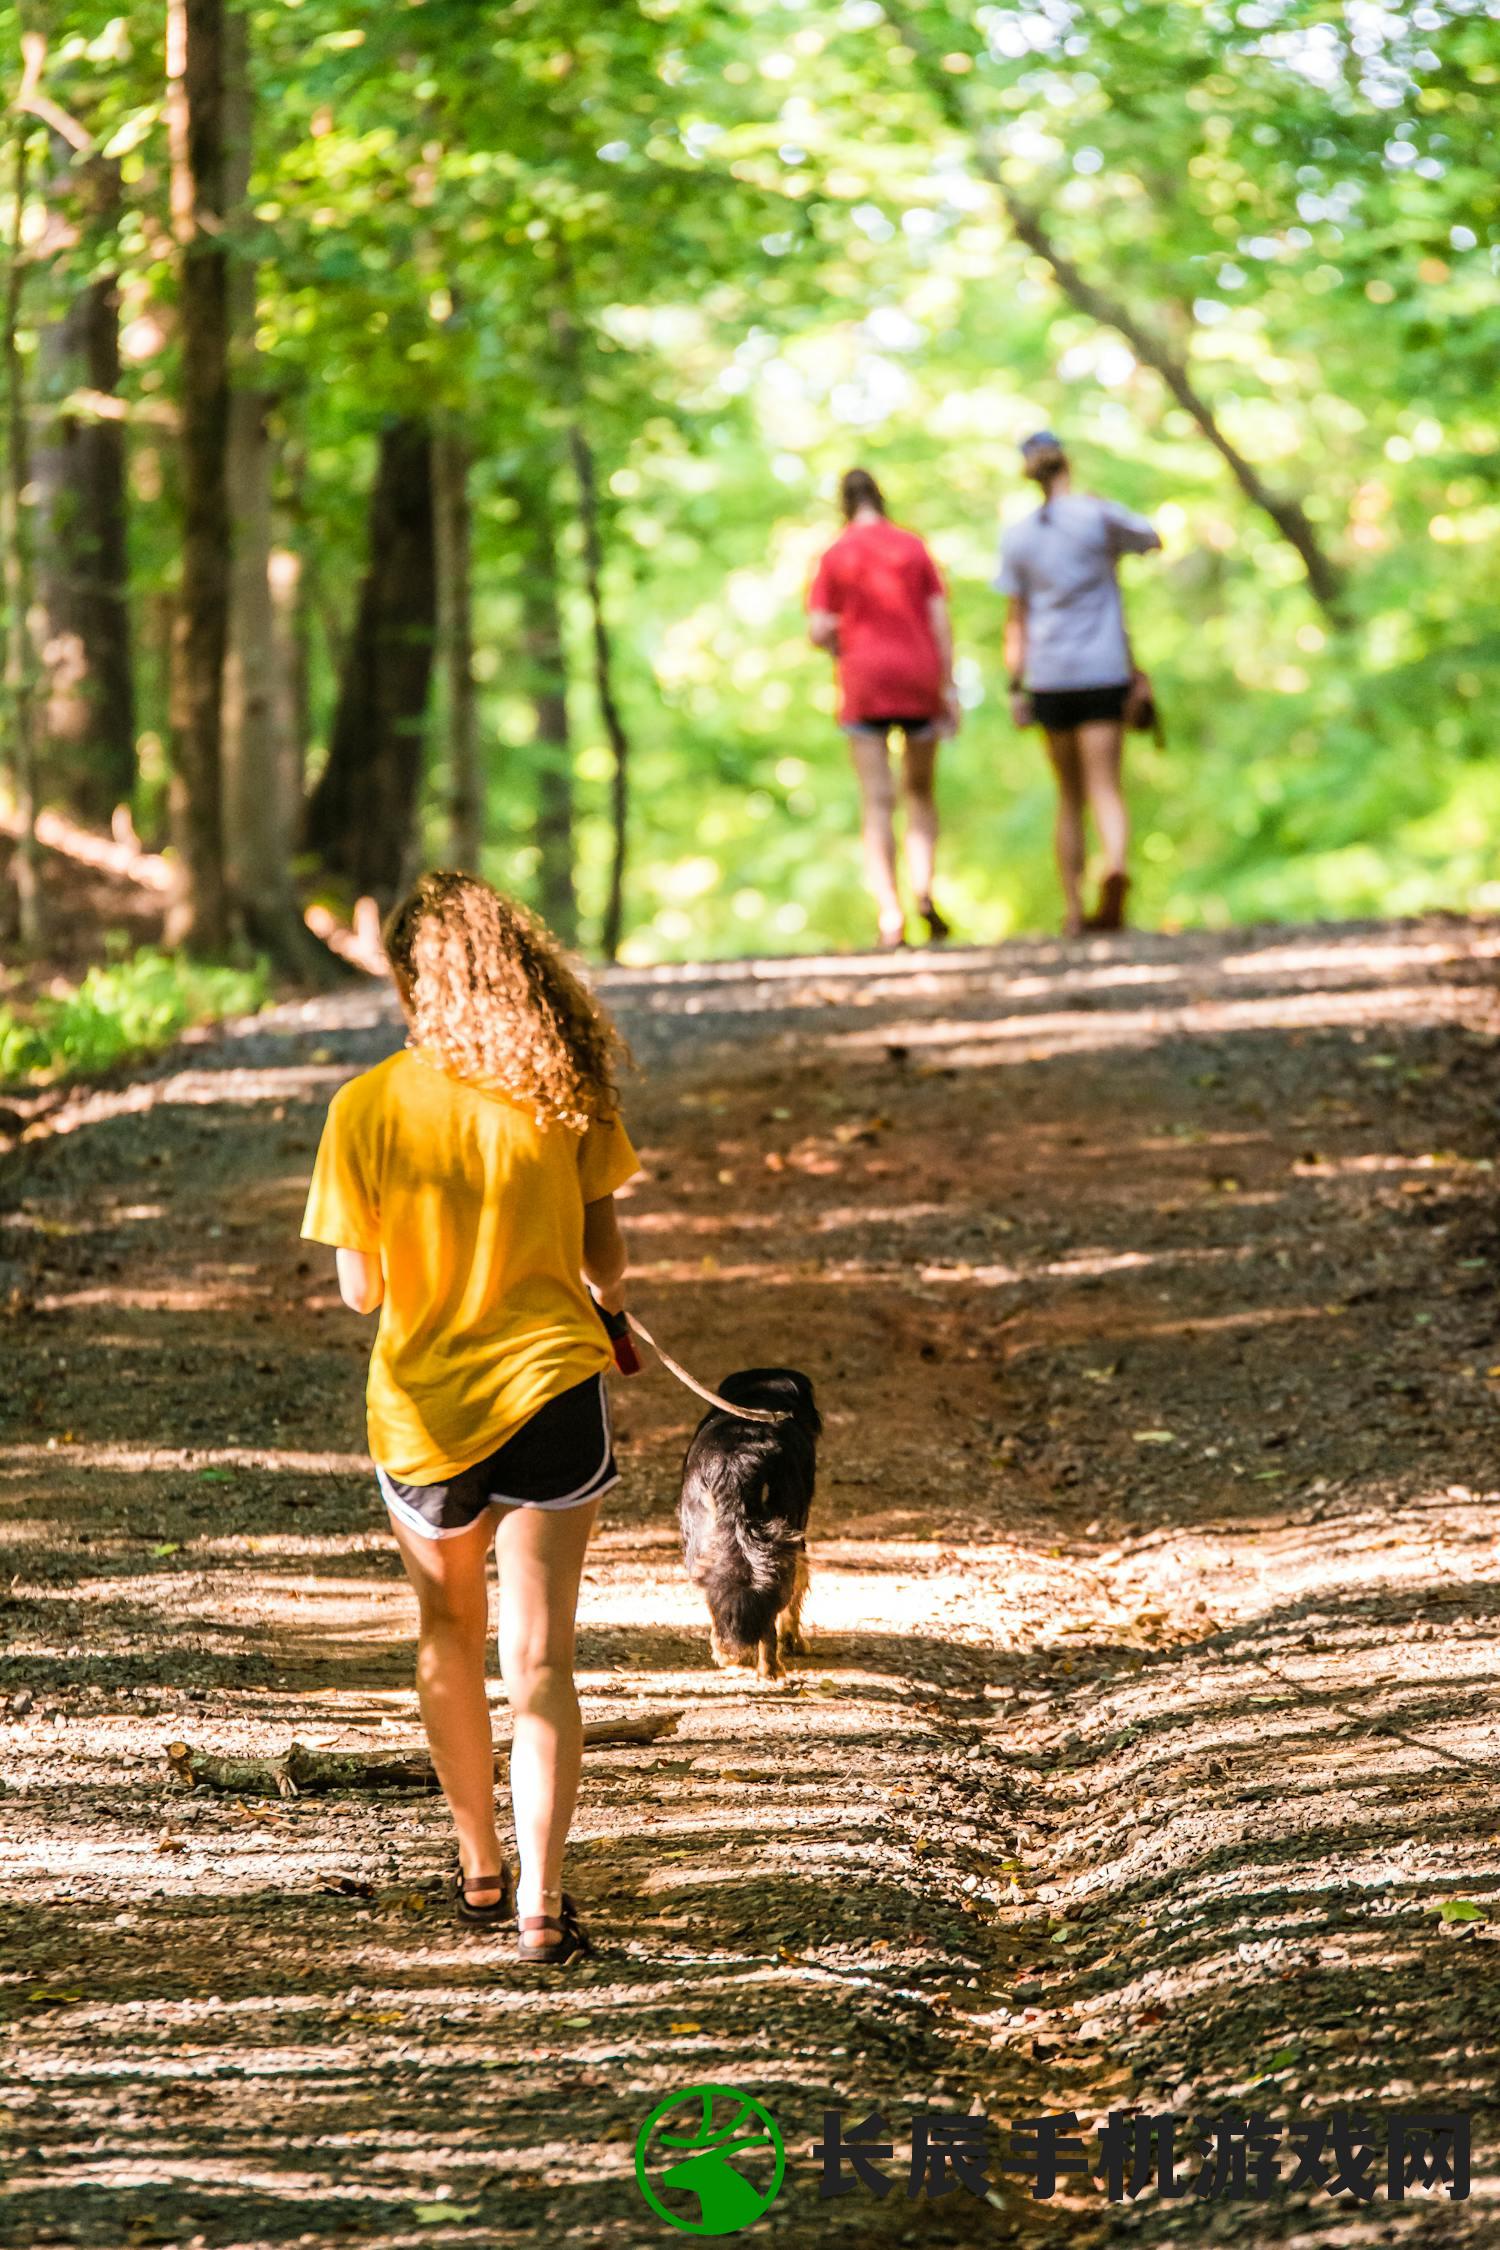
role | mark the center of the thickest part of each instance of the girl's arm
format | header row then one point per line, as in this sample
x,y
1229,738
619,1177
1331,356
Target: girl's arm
x,y
1015,660
361,1282
942,632
823,629
605,1258
1015,642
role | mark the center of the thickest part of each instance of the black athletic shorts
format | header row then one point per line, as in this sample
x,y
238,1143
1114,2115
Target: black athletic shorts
x,y
1058,709
888,726
561,1457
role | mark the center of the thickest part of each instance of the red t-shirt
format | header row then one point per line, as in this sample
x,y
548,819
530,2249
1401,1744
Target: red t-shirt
x,y
877,581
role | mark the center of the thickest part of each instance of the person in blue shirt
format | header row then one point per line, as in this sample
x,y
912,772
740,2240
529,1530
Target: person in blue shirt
x,y
1068,660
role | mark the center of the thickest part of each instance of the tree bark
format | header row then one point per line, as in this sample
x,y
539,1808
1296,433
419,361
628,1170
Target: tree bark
x,y
200,919
261,810
83,572
1325,580
582,455
21,670
547,687
291,680
454,532
359,817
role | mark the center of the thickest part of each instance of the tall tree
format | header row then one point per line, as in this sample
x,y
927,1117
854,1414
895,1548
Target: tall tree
x,y
1109,307
546,674
262,795
612,927
196,73
79,468
359,817
21,668
453,523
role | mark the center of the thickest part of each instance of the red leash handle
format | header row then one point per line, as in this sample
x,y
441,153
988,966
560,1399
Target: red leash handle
x,y
617,1328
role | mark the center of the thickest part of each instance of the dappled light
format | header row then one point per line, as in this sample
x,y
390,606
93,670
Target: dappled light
x,y
933,567
1144,1733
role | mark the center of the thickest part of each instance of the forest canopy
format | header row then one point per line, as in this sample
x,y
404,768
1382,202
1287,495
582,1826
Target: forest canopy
x,y
423,422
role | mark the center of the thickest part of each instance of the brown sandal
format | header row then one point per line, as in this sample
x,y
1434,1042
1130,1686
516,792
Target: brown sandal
x,y
501,1908
555,1938
1110,914
938,926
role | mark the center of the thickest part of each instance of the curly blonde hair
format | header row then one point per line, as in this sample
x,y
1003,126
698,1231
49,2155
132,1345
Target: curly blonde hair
x,y
491,999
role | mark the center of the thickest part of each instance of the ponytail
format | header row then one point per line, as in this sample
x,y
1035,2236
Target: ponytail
x,y
858,489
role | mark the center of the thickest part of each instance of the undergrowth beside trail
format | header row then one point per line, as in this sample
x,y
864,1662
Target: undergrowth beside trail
x,y
119,1009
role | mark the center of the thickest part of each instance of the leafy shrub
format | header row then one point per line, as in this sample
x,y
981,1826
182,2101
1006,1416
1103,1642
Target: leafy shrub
x,y
122,1008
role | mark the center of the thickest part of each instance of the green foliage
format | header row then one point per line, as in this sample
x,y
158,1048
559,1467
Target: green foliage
x,y
120,1009
748,243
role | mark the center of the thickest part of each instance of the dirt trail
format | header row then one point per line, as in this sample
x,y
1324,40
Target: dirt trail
x,y
1148,1290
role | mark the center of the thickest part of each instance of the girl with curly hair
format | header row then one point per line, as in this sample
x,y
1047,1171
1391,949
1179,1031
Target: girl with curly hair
x,y
467,1188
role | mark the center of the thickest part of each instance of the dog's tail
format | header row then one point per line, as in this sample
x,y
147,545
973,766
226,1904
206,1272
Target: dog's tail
x,y
747,1603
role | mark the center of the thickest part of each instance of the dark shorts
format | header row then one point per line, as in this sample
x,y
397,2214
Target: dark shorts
x,y
885,727
1058,709
561,1458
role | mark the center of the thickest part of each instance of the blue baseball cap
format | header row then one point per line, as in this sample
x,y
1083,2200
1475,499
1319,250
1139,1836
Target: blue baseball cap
x,y
1045,441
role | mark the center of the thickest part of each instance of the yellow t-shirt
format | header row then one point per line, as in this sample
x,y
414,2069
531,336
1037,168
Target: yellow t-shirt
x,y
476,1212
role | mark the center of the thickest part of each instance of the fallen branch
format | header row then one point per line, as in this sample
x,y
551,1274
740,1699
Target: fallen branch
x,y
120,854
361,945
301,1772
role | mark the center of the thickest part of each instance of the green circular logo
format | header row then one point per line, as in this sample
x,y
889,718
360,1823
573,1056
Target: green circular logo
x,y
710,2160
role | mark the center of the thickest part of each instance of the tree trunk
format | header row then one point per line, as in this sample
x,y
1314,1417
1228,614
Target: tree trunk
x,y
454,535
21,670
260,810
582,454
359,817
547,687
83,573
291,681
1324,578
200,918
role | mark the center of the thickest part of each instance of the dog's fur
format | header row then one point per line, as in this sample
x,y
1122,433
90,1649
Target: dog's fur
x,y
747,1488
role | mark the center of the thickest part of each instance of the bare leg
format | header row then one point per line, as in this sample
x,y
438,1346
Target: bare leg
x,y
1100,744
918,771
541,1555
449,1576
1062,749
872,764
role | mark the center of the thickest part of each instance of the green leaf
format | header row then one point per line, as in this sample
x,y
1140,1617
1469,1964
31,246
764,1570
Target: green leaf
x,y
213,1476
1459,1910
433,2214
168,1547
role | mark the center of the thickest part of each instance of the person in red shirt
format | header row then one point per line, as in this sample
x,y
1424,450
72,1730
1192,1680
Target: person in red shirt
x,y
877,605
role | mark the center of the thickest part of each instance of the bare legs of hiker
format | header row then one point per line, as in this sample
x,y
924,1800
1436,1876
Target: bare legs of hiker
x,y
872,765
1086,761
540,1557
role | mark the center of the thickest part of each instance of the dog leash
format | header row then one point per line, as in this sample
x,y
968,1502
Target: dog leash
x,y
620,1326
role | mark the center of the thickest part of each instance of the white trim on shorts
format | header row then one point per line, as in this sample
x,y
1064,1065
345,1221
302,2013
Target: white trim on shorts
x,y
593,1488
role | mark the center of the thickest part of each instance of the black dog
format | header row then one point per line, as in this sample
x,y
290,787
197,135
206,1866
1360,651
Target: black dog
x,y
747,1488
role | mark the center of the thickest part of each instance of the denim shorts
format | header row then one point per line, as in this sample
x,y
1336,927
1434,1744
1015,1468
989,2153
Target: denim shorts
x,y
561,1457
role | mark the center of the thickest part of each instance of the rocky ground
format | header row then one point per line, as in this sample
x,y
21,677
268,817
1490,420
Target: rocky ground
x,y
1144,1758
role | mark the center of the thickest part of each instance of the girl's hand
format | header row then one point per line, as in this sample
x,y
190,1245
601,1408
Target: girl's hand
x,y
617,1327
1022,713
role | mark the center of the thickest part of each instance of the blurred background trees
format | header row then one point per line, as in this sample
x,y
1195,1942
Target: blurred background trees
x,y
423,422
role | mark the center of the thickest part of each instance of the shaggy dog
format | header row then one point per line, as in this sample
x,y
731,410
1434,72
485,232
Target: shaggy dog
x,y
747,1488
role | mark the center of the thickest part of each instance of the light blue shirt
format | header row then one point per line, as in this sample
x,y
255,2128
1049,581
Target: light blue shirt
x,y
1061,562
